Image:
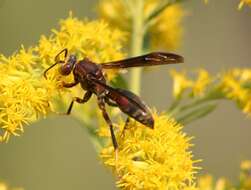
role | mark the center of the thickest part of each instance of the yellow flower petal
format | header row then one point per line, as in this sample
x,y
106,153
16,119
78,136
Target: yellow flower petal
x,y
246,165
202,82
167,31
180,82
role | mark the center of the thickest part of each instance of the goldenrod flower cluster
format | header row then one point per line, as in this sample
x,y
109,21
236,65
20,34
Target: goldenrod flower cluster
x,y
244,2
182,83
241,3
207,182
233,85
236,85
26,95
152,159
164,31
4,186
95,40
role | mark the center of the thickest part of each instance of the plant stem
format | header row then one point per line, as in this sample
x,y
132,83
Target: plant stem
x,y
178,109
137,43
196,114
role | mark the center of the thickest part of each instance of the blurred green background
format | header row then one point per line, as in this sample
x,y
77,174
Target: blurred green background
x,y
56,153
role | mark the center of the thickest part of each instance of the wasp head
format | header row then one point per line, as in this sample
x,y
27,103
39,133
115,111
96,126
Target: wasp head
x,y
66,65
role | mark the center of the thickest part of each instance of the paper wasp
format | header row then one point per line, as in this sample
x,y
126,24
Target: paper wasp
x,y
91,78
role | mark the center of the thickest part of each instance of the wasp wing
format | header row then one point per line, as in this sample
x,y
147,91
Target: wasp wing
x,y
128,102
151,59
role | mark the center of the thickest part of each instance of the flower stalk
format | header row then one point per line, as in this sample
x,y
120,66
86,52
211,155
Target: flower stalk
x,y
140,26
137,43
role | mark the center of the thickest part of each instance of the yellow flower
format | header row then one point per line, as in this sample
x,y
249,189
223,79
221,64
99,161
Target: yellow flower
x,y
23,96
243,2
152,159
26,95
95,40
245,175
180,83
236,85
247,107
232,87
246,165
207,182
221,184
165,30
191,188
4,186
202,82
114,11
245,178
244,75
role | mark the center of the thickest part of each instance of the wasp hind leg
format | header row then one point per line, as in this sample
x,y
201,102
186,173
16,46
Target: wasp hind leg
x,y
101,104
126,126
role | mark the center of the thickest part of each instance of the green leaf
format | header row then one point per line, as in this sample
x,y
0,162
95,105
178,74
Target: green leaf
x,y
196,114
247,85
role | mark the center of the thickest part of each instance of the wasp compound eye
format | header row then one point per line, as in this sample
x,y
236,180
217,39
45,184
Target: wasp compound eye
x,y
66,68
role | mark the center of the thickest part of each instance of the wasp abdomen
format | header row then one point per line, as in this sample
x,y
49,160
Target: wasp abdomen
x,y
133,106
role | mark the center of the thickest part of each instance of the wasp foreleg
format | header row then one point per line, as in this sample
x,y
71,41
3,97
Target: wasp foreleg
x,y
87,96
69,85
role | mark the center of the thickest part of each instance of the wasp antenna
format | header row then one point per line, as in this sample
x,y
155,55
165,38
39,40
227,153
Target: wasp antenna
x,y
65,51
45,72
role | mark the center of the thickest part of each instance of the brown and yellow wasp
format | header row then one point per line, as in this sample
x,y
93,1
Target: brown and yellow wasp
x,y
91,78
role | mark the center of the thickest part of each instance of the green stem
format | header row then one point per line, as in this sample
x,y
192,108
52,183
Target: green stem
x,y
138,31
196,114
211,96
137,43
174,105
